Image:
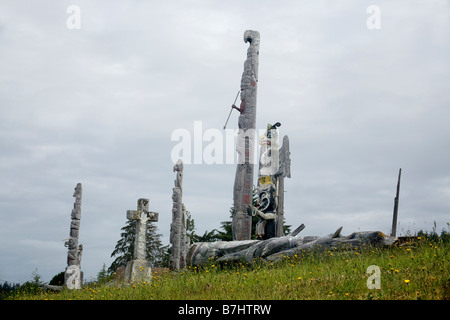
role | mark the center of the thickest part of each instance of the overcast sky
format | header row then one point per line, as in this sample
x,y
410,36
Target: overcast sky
x,y
98,105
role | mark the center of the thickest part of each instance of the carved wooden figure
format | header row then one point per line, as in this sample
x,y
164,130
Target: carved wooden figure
x,y
178,237
73,277
243,184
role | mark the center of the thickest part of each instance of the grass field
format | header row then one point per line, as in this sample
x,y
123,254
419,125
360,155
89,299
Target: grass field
x,y
418,270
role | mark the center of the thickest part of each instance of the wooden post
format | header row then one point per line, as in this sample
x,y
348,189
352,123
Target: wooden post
x,y
73,277
397,195
284,171
243,183
178,217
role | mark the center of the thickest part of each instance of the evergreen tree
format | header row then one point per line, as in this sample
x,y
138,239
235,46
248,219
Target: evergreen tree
x,y
37,279
124,248
103,276
155,252
57,280
190,227
208,236
7,289
34,286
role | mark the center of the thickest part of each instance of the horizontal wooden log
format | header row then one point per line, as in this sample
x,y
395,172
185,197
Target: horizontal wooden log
x,y
274,249
54,288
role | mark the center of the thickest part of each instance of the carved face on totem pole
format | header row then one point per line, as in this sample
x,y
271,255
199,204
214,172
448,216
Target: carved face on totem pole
x,y
267,181
268,164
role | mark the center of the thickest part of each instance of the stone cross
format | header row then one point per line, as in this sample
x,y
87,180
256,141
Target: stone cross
x,y
139,269
142,216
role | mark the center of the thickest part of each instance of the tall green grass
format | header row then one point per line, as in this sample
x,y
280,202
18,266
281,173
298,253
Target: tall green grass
x,y
420,270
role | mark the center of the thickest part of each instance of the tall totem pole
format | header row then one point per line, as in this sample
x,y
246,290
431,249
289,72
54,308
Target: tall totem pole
x,y
178,237
73,277
243,183
274,166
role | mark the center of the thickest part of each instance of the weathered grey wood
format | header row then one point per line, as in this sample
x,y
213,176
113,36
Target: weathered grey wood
x,y
54,288
297,231
243,184
268,186
274,166
178,237
201,252
184,239
74,253
274,249
284,171
396,199
175,229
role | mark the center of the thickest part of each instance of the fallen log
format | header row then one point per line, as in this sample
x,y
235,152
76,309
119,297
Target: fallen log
x,y
274,249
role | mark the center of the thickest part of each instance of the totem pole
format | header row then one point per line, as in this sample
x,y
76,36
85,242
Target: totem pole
x,y
184,239
283,172
73,277
243,183
274,166
178,237
267,183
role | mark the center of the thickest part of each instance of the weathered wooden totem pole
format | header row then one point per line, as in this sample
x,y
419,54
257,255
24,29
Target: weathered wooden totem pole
x,y
178,237
274,166
243,184
73,277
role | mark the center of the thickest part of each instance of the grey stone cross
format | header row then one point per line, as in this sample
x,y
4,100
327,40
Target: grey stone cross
x,y
141,215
